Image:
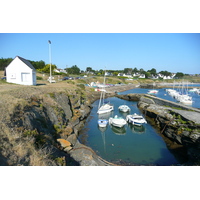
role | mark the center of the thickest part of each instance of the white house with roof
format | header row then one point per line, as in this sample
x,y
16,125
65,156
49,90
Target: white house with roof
x,y
60,71
142,76
21,71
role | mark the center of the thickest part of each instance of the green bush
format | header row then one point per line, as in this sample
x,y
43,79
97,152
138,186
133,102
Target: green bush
x,y
39,78
82,86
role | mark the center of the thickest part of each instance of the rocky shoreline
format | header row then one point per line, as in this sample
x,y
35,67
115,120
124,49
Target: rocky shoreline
x,y
51,118
178,124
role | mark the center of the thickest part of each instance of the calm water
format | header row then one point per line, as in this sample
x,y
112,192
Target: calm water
x,y
163,94
131,145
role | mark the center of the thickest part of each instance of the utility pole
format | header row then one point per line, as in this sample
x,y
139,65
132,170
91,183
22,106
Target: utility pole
x,y
50,59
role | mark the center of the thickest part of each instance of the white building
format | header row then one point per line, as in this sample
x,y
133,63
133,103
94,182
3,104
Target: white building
x,y
60,71
21,71
142,76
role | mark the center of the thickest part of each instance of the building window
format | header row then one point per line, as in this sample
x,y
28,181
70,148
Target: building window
x,y
13,76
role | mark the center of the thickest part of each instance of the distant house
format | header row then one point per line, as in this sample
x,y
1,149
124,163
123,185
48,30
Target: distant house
x,y
142,76
21,71
60,71
167,77
120,74
136,74
108,74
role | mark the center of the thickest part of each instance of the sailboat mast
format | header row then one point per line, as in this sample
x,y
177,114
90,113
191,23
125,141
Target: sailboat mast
x,y
100,101
104,82
102,93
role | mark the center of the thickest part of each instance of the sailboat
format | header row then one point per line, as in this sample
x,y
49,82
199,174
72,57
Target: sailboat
x,y
104,107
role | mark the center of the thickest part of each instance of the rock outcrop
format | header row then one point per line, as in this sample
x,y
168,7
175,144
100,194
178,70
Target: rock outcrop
x,y
48,118
179,123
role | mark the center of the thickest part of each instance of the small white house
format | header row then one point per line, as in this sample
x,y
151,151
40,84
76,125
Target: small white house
x,y
142,76
60,71
21,71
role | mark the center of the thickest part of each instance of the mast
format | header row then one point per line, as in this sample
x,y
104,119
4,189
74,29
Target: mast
x,y
102,92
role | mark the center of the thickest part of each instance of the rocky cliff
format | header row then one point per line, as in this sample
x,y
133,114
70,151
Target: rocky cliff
x,y
36,118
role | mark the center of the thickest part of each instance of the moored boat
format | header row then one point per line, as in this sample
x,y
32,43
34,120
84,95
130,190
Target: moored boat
x,y
117,121
124,108
152,92
102,122
104,107
136,119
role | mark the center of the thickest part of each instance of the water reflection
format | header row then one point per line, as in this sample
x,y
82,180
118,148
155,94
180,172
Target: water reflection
x,y
118,131
131,145
105,115
137,129
103,130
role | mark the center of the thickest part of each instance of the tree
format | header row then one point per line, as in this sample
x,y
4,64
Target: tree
x,y
165,73
135,70
128,70
88,69
179,75
152,71
142,71
147,74
4,62
46,69
38,64
73,70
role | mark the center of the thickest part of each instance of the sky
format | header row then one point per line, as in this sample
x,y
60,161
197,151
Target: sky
x,y
174,52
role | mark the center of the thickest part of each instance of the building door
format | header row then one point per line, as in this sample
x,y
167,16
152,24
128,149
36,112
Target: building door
x,y
26,77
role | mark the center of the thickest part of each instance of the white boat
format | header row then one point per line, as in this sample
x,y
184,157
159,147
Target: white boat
x,y
198,92
117,121
185,99
136,119
193,90
102,123
124,108
152,92
104,107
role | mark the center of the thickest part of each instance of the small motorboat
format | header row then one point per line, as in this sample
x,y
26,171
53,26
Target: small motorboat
x,y
124,108
136,119
117,121
102,123
152,92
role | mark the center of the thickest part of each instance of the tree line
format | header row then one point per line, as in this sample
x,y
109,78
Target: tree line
x,y
41,66
4,62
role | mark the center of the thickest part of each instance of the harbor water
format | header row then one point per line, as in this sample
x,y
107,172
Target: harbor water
x,y
131,145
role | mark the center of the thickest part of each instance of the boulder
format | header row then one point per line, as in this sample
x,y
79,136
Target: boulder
x,y
64,143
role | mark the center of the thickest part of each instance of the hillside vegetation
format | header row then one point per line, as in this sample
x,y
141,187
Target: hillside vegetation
x,y
33,117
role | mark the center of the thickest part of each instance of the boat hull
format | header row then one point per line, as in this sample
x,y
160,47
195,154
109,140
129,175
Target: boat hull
x,y
118,122
102,123
124,108
105,109
135,119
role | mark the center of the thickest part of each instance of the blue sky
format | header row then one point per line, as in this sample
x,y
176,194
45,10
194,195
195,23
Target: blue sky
x,y
174,52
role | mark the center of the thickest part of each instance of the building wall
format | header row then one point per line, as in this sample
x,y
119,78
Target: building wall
x,y
18,72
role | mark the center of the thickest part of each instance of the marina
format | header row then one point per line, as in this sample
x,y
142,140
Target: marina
x,y
131,144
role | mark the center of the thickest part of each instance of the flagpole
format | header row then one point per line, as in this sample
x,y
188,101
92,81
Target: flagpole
x,y
50,59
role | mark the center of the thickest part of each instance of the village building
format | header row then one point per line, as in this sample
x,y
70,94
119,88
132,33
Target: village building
x,y
21,71
60,71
